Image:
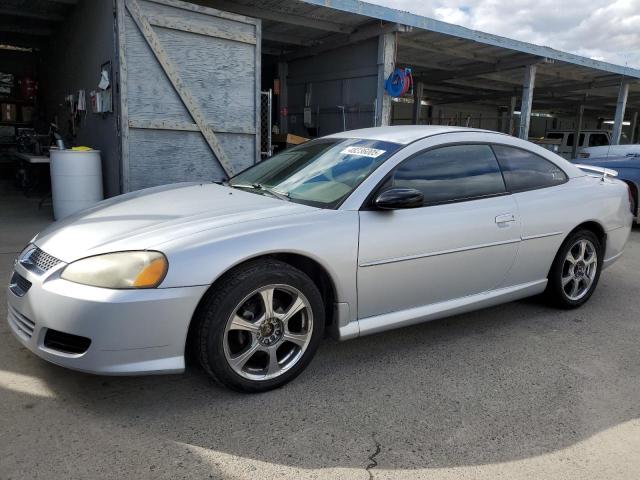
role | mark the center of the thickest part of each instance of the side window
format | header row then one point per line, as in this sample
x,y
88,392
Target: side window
x,y
448,174
524,170
570,138
598,140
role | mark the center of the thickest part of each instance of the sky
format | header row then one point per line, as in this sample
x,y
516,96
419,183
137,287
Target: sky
x,y
607,30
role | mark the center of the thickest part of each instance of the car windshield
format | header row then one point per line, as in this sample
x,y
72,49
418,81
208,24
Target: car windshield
x,y
320,173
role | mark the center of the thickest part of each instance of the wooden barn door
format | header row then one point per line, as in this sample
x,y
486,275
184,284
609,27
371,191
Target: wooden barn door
x,y
189,92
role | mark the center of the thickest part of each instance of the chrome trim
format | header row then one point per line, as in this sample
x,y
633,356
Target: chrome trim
x,y
37,260
435,254
541,235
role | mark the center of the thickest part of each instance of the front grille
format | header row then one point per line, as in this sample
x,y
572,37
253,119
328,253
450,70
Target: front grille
x,y
65,342
19,285
38,261
21,324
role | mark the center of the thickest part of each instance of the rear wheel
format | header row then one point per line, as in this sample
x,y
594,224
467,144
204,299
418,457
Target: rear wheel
x,y
260,327
576,270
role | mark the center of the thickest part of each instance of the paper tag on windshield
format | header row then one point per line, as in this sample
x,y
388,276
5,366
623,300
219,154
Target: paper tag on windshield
x,y
363,152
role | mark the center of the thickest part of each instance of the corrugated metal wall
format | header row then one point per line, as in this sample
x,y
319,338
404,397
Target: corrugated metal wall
x,y
344,77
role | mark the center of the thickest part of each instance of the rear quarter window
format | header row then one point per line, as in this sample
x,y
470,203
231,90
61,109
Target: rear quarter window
x,y
524,170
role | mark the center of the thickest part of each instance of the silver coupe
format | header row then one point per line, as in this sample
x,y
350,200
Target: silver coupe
x,y
350,234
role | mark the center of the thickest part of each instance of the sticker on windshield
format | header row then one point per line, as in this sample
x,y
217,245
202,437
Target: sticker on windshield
x,y
363,151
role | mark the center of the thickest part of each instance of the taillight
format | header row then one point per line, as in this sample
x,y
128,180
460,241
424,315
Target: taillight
x,y
632,202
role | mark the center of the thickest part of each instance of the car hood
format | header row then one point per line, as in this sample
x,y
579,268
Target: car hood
x,y
147,218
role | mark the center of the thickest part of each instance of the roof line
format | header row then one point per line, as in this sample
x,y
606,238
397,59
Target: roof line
x,y
392,15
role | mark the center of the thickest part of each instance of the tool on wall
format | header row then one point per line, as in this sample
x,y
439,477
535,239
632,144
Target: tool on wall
x,y
399,82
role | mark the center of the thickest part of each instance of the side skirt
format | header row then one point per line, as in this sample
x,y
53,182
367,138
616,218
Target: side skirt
x,y
421,314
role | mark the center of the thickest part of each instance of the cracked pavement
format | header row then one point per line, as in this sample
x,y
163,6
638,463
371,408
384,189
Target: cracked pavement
x,y
516,391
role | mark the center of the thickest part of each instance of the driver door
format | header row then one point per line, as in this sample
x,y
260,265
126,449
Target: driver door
x,y
461,242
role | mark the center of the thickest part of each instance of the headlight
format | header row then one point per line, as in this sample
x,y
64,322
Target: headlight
x,y
119,270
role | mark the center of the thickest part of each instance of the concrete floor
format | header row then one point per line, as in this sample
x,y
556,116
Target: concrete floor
x,y
514,392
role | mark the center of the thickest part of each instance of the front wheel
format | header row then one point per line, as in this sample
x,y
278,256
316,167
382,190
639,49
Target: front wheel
x,y
576,270
260,327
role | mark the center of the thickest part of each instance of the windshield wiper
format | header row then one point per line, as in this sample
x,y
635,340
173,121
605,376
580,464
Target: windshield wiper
x,y
262,188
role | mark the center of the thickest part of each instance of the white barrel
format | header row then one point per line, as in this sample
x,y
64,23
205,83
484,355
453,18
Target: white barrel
x,y
76,180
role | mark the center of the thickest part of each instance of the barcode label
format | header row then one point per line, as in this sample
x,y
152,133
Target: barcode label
x,y
363,151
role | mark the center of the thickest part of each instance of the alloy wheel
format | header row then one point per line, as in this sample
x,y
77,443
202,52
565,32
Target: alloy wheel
x,y
268,332
579,269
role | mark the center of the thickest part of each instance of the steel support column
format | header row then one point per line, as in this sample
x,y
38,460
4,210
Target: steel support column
x,y
576,134
283,100
512,108
418,90
386,60
527,100
623,93
634,125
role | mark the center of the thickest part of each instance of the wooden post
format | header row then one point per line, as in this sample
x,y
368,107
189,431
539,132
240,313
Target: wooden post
x,y
527,100
386,50
576,134
418,90
621,105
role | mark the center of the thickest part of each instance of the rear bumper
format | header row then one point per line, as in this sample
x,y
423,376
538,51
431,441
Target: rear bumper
x,y
131,331
616,241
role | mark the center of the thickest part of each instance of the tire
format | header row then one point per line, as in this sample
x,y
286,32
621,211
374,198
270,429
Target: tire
x,y
238,350
564,275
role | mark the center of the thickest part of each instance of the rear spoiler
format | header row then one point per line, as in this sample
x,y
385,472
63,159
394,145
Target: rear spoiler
x,y
599,171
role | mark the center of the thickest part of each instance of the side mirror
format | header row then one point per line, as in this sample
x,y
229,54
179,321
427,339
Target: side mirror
x,y
396,198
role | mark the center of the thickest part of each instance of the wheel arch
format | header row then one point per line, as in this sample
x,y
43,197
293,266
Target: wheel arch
x,y
591,225
633,186
312,268
596,228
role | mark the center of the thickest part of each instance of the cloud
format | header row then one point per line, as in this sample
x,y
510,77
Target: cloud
x,y
606,30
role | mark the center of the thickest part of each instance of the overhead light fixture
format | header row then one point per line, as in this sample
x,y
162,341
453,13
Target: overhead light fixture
x,y
15,48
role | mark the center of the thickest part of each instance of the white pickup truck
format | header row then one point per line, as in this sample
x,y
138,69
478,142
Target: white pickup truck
x,y
587,139
606,151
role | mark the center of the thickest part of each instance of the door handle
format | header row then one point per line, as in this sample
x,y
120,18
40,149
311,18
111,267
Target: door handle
x,y
505,218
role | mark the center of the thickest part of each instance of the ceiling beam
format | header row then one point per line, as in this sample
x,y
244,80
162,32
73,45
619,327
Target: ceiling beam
x,y
365,32
25,30
277,16
541,91
473,70
455,52
23,13
289,39
21,40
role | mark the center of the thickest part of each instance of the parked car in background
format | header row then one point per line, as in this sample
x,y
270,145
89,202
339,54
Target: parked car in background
x,y
628,169
587,138
358,232
610,151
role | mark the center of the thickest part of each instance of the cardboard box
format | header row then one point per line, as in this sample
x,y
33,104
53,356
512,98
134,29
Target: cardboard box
x,y
289,139
7,112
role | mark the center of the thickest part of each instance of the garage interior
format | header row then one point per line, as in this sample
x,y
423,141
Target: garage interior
x,y
461,77
320,68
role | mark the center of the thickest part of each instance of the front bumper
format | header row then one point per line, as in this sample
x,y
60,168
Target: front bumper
x,y
131,331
